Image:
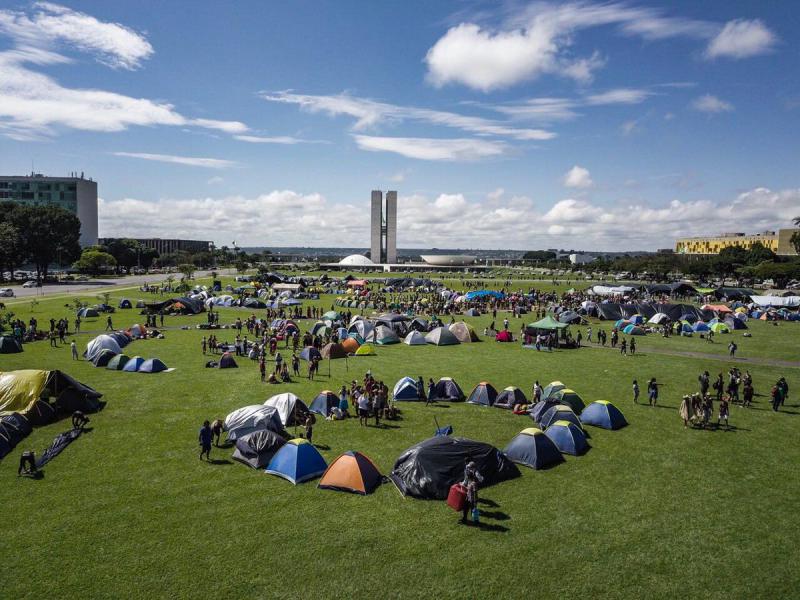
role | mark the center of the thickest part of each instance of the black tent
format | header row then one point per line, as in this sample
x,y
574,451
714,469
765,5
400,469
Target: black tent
x,y
609,311
733,293
13,429
9,345
428,469
257,449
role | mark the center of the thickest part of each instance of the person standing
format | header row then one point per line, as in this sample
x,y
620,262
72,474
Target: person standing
x,y
623,347
652,391
109,324
704,380
633,346
685,410
471,480
784,388
205,440
537,392
732,349
431,391
724,410
775,394
309,427
635,392
420,385
204,345
74,347
363,408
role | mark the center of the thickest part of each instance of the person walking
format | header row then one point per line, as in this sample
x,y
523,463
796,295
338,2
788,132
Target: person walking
x,y
109,324
205,440
623,347
652,391
633,346
732,349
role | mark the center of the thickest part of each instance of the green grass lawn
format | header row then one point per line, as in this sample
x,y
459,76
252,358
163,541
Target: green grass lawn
x,y
128,510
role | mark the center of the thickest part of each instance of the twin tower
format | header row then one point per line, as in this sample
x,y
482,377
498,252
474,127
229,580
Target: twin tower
x,y
383,228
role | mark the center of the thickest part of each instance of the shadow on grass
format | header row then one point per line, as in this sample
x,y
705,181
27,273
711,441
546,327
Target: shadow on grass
x,y
384,426
220,461
485,526
35,476
321,446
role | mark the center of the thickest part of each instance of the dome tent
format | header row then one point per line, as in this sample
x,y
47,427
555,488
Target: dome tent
x,y
559,412
9,345
570,398
602,413
532,448
447,389
428,469
226,361
100,343
484,394
323,403
385,335
351,472
152,365
414,338
405,389
552,388
568,438
291,410
133,364
297,461
256,449
509,397
118,362
464,332
441,337
102,358
365,350
540,408
251,418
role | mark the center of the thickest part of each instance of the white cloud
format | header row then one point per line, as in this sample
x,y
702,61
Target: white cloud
x,y
190,161
458,149
496,194
370,113
619,96
34,106
534,42
215,180
578,177
568,223
741,38
112,43
399,176
278,139
629,127
711,104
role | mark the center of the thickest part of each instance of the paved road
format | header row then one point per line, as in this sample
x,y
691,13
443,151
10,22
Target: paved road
x,y
97,285
755,360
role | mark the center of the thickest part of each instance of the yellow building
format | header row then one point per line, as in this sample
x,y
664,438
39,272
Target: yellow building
x,y
777,241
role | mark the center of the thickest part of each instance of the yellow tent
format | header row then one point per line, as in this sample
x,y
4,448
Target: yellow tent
x,y
20,389
365,350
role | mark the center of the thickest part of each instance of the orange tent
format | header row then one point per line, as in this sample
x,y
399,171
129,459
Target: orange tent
x,y
720,308
350,345
357,283
351,472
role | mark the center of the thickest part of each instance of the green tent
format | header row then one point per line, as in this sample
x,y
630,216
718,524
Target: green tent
x,y
548,323
118,362
331,315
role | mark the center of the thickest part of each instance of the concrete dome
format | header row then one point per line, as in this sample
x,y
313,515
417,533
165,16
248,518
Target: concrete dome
x,y
356,260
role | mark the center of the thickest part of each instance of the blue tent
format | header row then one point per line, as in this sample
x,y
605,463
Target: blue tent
x,y
540,408
152,365
734,323
133,364
405,389
297,461
689,317
602,413
125,303
310,352
700,327
559,412
637,319
532,448
621,324
323,403
483,294
568,437
120,337
484,394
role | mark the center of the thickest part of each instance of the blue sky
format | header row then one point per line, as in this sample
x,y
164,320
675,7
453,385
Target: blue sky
x,y
524,125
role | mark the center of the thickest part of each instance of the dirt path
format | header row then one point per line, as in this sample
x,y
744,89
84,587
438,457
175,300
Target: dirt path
x,y
767,362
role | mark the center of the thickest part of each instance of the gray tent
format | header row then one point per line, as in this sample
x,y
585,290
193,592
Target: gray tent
x,y
257,449
441,336
414,338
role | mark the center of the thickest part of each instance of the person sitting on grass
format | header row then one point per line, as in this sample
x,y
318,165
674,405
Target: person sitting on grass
x,y
79,420
273,378
285,373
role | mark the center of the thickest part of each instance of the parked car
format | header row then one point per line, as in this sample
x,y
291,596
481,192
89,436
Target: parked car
x,y
6,293
30,284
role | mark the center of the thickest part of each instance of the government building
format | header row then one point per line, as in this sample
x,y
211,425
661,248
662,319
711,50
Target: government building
x,y
777,241
76,194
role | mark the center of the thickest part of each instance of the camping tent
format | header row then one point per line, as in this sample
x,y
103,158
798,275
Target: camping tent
x,y
137,331
552,388
700,327
100,343
735,323
125,303
309,353
13,429
414,338
362,331
568,437
350,345
323,403
547,324
570,398
152,365
540,408
633,330
256,449
441,337
103,358
484,394
570,317
464,332
88,313
385,335
509,397
351,472
405,389
601,413
658,318
122,338
9,345
559,412
297,461
252,418
720,328
429,468
334,351
118,362
532,448
419,324
291,410
472,312
447,389
503,336
133,364
226,361
21,390
365,350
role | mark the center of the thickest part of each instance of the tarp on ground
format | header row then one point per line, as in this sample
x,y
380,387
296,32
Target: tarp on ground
x,y
256,449
252,418
62,441
532,448
351,472
291,410
297,461
428,469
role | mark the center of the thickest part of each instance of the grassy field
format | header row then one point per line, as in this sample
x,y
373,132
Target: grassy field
x,y
128,510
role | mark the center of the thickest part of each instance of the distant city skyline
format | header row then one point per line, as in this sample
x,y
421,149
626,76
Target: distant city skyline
x,y
527,125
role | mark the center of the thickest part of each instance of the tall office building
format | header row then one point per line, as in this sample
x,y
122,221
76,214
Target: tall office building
x,y
76,194
383,227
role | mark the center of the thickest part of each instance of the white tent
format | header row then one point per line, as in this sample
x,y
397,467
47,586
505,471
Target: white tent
x,y
415,338
776,301
285,404
658,318
100,343
603,290
252,418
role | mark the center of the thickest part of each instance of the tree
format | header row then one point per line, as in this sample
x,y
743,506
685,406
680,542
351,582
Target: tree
x,y
539,255
48,233
187,270
130,253
242,266
94,261
10,249
795,240
780,273
759,253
